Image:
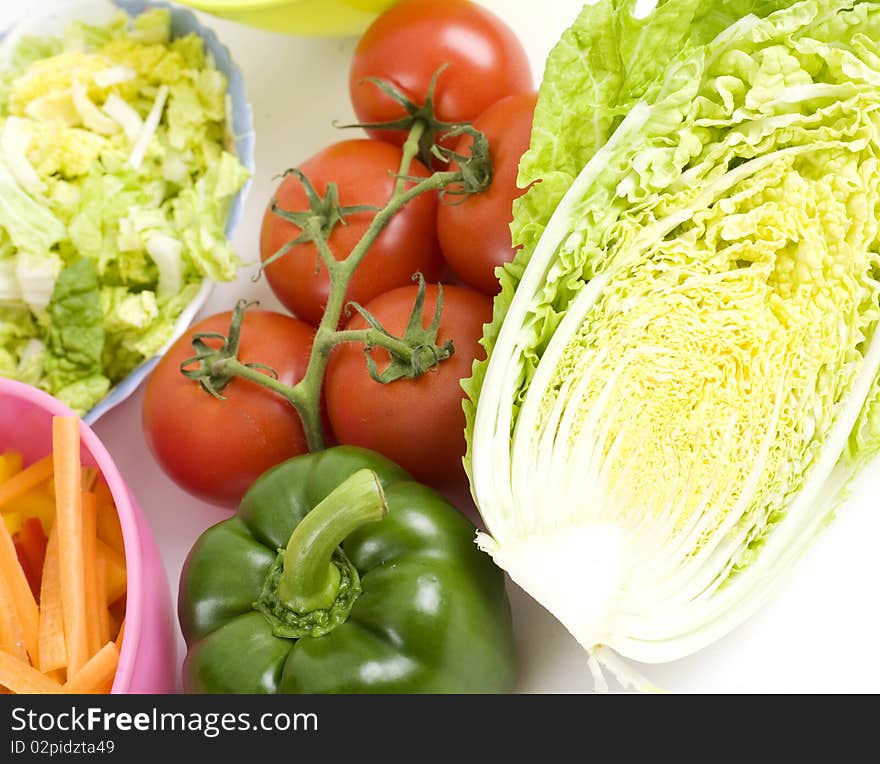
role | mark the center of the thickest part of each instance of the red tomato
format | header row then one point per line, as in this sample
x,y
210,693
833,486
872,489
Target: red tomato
x,y
418,423
363,171
413,39
215,449
475,232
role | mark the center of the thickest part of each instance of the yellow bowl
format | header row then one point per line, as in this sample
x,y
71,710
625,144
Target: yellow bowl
x,y
301,17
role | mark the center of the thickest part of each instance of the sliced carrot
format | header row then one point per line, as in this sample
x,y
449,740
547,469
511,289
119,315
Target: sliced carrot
x,y
28,478
30,544
23,678
30,573
19,592
90,573
97,673
114,565
106,552
109,529
68,497
78,575
53,651
11,629
102,491
103,614
33,541
89,478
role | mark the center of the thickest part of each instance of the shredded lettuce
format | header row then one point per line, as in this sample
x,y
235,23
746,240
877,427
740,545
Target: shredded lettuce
x,y
684,365
30,225
76,334
112,158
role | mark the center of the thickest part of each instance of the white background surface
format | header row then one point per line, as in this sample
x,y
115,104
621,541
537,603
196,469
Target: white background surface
x,y
821,630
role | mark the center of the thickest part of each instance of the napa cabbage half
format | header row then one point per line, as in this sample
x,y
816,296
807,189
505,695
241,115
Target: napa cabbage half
x,y
682,372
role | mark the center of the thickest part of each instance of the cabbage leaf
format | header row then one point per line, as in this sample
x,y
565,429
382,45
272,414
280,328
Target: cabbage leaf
x,y
682,372
113,150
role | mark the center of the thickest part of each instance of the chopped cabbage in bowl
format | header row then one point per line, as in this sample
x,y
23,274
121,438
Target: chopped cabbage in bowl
x,y
118,175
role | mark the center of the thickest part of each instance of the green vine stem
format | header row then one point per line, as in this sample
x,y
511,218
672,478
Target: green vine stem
x,y
411,354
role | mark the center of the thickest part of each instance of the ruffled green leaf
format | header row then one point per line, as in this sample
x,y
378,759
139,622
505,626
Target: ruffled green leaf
x,y
683,367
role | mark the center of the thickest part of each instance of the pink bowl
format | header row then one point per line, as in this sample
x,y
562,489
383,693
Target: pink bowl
x,y
147,662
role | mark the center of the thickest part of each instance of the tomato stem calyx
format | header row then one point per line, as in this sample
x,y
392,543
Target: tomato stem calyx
x,y
475,167
412,354
211,370
319,221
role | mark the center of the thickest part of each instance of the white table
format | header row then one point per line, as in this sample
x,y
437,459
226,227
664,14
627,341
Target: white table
x,y
819,633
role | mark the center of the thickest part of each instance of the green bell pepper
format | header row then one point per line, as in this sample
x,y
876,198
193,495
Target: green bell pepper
x,y
341,574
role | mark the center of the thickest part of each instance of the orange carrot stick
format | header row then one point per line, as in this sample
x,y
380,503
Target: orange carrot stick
x,y
28,478
19,593
90,573
58,675
106,552
11,629
97,673
23,678
109,529
68,497
53,651
114,566
89,478
103,614
120,635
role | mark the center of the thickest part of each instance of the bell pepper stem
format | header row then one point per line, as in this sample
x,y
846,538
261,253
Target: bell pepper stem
x,y
310,580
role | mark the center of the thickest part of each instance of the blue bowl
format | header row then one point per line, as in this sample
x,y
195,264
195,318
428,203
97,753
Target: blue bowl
x,y
183,22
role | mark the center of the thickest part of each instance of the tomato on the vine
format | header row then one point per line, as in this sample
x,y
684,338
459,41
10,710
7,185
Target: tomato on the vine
x,y
364,172
474,232
418,423
484,62
215,449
